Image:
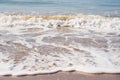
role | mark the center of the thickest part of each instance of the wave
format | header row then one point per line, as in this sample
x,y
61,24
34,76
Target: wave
x,y
91,22
47,44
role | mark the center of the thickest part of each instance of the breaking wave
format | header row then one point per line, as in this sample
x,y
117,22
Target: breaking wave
x,y
46,44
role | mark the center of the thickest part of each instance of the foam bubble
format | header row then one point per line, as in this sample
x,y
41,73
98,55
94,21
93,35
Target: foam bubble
x,y
46,44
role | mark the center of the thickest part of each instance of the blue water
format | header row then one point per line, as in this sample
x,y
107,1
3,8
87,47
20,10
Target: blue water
x,y
108,7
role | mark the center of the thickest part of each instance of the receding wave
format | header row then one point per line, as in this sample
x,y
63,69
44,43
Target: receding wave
x,y
47,44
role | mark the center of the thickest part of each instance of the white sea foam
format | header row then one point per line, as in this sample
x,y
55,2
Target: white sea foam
x,y
46,44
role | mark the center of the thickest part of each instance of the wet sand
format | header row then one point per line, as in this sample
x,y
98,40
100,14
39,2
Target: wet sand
x,y
65,76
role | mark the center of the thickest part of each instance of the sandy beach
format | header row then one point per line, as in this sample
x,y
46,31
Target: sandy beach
x,y
65,76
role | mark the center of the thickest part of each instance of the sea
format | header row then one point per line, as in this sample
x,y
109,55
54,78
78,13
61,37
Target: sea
x,y
51,7
48,36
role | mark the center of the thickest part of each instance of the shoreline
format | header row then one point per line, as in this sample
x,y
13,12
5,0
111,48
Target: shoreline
x,y
65,76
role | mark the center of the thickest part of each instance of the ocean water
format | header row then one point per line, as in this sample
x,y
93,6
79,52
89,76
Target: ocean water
x,y
46,36
104,7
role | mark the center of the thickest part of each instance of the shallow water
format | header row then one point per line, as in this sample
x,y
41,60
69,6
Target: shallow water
x,y
46,44
65,41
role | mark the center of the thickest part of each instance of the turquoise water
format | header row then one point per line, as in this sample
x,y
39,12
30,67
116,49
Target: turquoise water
x,y
108,7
